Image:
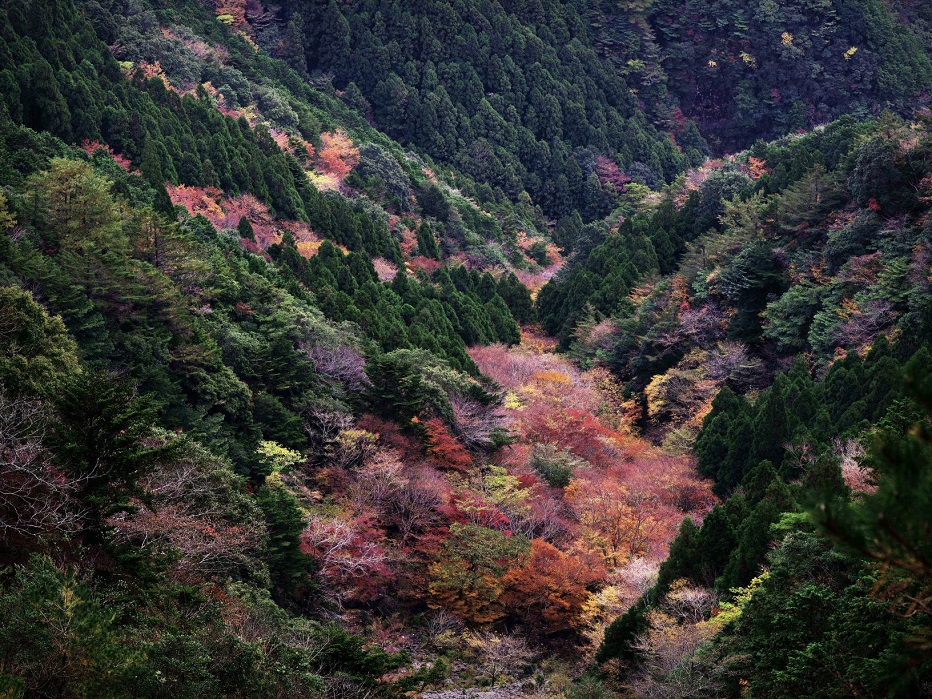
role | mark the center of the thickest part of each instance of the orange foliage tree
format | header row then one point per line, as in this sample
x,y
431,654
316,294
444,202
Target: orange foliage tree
x,y
618,522
232,12
338,154
578,431
628,497
467,578
549,590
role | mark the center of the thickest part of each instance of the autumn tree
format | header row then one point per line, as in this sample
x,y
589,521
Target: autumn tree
x,y
549,590
35,498
338,154
196,516
505,655
671,664
443,446
618,522
467,579
350,559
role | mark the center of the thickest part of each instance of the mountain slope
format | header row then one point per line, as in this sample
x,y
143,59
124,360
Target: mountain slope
x,y
513,94
269,425
761,69
786,353
816,245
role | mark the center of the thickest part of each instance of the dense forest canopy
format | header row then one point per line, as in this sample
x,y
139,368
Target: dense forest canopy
x,y
554,348
514,94
762,69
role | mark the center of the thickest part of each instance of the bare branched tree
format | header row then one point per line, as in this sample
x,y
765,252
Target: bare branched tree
x,y
850,453
547,518
342,687
672,669
413,508
346,557
323,428
259,16
503,654
476,425
376,482
35,498
344,364
731,362
195,514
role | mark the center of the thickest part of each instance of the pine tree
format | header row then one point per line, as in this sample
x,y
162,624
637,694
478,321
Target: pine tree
x,y
683,560
772,424
289,566
427,242
100,442
76,208
293,49
244,228
717,539
39,357
151,164
755,536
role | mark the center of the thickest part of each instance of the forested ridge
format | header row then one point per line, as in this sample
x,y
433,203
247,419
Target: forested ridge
x,y
553,348
761,69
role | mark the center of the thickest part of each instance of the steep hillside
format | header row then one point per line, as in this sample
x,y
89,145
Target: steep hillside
x,y
276,416
787,351
244,423
815,245
514,94
814,560
761,69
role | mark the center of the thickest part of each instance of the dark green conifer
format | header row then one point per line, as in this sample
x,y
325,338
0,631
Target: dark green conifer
x,y
244,228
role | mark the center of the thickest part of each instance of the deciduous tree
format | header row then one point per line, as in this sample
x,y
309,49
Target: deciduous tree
x,y
549,590
467,577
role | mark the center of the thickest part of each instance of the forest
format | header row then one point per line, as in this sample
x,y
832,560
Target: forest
x,y
513,348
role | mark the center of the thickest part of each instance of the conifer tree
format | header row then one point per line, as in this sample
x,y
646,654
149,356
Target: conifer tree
x,y
244,228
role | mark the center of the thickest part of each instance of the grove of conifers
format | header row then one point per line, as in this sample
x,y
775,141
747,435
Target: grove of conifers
x,y
545,348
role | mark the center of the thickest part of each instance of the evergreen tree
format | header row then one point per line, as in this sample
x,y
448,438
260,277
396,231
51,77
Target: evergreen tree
x,y
40,358
244,228
289,566
426,242
100,442
682,562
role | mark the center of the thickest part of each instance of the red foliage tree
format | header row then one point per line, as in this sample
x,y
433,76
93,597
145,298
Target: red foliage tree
x,y
390,436
576,430
609,173
426,265
338,155
352,563
442,446
471,508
